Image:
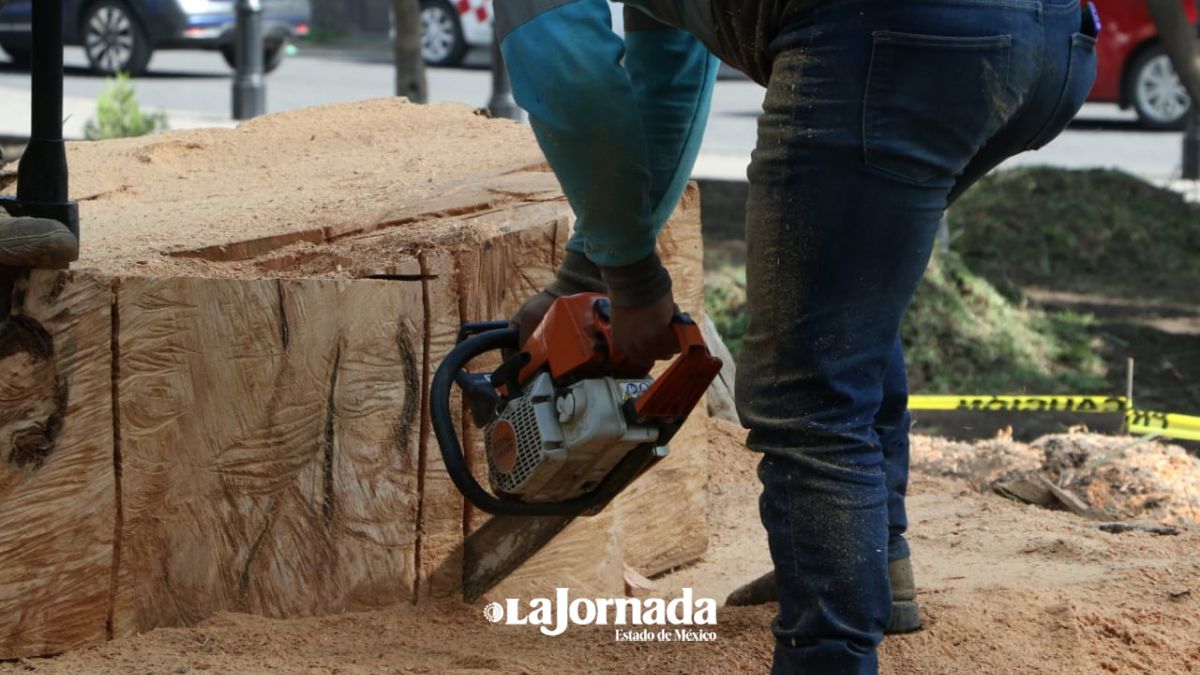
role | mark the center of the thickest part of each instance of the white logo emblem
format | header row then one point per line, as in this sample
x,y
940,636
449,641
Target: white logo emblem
x,y
675,619
493,612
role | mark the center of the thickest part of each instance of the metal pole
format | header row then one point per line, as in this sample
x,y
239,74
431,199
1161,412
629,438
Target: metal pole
x,y
1191,135
1129,383
1191,144
42,174
502,103
249,90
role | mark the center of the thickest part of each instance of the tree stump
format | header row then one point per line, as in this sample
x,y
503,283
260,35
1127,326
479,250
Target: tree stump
x,y
223,406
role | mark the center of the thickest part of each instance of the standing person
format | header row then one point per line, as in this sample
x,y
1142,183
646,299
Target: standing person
x,y
878,114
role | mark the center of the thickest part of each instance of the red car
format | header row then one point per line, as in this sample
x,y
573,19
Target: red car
x,y
1132,68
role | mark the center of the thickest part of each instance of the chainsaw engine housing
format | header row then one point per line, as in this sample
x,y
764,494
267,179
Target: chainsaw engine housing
x,y
552,444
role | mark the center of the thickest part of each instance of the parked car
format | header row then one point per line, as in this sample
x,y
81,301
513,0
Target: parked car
x,y
450,29
1133,70
121,35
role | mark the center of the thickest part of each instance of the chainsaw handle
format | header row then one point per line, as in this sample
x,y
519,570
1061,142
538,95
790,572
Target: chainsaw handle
x,y
628,469
687,333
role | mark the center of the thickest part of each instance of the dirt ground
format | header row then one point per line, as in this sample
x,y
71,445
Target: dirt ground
x,y
1004,587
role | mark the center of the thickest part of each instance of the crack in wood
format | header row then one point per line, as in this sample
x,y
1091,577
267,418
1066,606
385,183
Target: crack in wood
x,y
460,275
284,337
398,277
118,494
330,437
422,451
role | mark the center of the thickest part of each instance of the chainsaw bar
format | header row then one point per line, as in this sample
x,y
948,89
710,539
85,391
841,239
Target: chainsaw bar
x,y
504,543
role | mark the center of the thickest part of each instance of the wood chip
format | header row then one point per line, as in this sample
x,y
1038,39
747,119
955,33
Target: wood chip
x,y
1121,528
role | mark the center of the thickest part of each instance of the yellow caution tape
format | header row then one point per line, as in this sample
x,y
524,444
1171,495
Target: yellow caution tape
x,y
1171,425
1021,403
1167,425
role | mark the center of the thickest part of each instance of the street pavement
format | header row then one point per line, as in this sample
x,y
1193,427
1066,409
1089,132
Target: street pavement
x,y
194,87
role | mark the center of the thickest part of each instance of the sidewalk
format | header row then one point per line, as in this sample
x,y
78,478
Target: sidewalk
x,y
15,117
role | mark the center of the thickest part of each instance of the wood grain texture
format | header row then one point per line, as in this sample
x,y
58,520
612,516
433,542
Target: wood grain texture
x,y
439,560
243,425
57,487
585,557
270,434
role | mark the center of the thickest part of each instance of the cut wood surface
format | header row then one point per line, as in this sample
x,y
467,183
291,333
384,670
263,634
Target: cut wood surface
x,y
224,406
57,490
287,175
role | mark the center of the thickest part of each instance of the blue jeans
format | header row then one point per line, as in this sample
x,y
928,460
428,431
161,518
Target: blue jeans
x,y
878,114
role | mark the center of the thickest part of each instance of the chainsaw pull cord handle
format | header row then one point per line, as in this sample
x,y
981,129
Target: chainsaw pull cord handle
x,y
442,420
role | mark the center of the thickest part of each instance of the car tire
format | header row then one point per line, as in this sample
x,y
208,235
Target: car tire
x,y
1156,92
442,40
113,39
21,57
272,56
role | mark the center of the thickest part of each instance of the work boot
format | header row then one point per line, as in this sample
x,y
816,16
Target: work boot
x,y
905,618
36,243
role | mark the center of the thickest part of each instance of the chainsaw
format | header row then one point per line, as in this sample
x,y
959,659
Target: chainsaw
x,y
568,423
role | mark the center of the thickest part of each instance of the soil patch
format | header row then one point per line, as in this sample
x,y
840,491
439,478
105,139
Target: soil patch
x,y
1004,587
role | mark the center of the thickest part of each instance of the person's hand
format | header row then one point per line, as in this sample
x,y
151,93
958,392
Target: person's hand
x,y
530,315
644,334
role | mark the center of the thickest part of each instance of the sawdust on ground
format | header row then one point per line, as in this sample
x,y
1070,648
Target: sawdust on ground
x,y
1004,587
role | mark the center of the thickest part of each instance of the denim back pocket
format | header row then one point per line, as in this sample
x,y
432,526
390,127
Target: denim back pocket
x,y
1081,73
932,102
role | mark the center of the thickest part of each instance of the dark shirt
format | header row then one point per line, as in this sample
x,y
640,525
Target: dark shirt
x,y
744,31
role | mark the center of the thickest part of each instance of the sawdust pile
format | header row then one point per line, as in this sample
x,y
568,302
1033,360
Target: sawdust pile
x,y
284,173
1004,588
1114,478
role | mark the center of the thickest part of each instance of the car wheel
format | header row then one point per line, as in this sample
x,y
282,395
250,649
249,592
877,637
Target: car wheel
x,y
442,41
1157,94
113,40
272,56
21,57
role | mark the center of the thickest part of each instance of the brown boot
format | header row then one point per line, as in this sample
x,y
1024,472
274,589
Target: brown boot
x,y
905,617
758,592
36,243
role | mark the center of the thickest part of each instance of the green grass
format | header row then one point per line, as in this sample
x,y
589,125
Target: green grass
x,y
1079,230
1097,234
961,335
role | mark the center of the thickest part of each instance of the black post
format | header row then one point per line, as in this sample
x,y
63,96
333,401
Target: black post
x,y
1191,137
1191,144
42,174
502,103
249,90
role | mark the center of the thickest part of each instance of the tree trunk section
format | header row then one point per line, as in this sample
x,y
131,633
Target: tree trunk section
x,y
224,406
